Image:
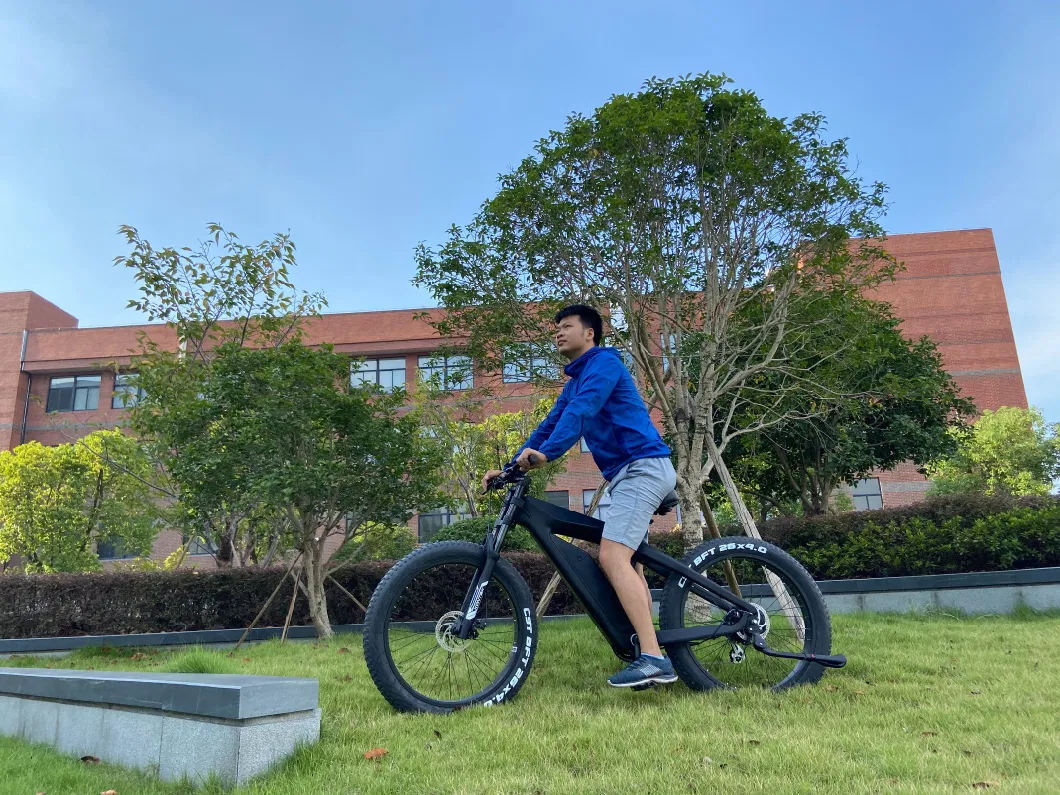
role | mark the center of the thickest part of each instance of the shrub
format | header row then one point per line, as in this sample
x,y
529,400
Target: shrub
x,y
474,530
944,535
956,533
124,602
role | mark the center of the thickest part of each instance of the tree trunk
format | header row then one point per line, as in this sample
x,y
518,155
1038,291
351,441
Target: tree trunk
x,y
708,514
787,604
730,575
314,575
688,491
225,553
742,514
226,550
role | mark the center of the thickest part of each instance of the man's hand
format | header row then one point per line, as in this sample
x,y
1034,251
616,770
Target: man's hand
x,y
488,477
524,460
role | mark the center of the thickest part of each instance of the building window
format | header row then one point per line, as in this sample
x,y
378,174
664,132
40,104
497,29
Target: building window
x,y
526,362
112,550
78,393
127,391
387,373
561,499
451,372
195,545
867,495
601,508
668,351
431,522
583,446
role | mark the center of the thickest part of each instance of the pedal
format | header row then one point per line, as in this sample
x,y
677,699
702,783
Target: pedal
x,y
645,686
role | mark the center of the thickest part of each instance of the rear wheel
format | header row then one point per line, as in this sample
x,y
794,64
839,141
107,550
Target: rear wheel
x,y
413,655
792,610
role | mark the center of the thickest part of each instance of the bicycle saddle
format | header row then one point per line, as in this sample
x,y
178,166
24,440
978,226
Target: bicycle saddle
x,y
669,502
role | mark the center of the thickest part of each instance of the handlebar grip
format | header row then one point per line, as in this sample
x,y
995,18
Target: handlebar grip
x,y
532,458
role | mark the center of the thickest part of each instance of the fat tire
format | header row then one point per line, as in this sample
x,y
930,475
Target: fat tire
x,y
380,665
671,613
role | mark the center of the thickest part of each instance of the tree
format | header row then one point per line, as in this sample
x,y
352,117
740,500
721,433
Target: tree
x,y
224,293
270,445
473,444
687,213
332,458
58,503
875,402
1009,451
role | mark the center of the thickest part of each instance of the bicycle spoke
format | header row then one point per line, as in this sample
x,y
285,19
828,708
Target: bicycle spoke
x,y
428,661
734,661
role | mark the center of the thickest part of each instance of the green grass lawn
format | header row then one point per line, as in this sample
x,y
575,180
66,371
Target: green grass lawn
x,y
927,704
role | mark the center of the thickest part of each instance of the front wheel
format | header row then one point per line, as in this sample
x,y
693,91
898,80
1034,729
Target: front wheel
x,y
413,656
794,614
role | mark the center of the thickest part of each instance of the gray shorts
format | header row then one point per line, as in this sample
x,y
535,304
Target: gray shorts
x,y
636,492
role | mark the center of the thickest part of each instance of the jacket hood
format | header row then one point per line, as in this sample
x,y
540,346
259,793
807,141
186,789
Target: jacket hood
x,y
575,367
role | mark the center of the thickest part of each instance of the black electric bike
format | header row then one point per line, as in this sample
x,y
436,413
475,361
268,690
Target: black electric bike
x,y
735,612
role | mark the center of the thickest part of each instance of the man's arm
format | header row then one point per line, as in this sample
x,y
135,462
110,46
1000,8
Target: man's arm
x,y
542,432
595,387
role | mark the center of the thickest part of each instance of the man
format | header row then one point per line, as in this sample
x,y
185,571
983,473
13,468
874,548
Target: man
x,y
601,403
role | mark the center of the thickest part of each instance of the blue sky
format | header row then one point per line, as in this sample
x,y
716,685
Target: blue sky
x,y
366,128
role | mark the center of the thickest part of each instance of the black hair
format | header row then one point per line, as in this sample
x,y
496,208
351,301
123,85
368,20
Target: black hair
x,y
588,316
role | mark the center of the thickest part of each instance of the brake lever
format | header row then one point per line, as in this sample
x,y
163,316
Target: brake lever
x,y
510,474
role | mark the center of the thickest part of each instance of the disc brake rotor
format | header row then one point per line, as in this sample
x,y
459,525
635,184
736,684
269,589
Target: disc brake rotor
x,y
443,632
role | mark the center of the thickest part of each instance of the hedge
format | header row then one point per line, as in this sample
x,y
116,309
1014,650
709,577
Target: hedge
x,y
124,602
943,535
939,536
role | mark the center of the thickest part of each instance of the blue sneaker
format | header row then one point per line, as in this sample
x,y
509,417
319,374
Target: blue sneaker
x,y
643,671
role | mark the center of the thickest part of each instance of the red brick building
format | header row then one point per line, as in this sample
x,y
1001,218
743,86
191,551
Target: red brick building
x,y
951,290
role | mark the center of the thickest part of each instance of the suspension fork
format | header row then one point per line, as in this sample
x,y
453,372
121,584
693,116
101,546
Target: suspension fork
x,y
473,597
491,551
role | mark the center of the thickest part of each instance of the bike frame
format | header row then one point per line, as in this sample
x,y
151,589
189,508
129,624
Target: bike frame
x,y
588,582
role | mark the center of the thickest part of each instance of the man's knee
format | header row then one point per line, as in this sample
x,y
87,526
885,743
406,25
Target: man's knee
x,y
613,554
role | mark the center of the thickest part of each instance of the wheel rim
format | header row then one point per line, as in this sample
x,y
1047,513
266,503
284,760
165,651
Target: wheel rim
x,y
733,661
429,659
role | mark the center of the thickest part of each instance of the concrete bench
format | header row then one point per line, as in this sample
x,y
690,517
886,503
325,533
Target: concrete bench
x,y
174,725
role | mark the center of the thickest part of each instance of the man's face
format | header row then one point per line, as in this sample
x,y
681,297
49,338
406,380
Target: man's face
x,y
573,338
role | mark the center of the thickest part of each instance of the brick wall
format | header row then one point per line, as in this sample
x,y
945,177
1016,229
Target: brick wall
x,y
950,290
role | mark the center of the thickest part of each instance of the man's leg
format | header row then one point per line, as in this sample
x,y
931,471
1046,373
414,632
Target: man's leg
x,y
640,572
632,590
635,494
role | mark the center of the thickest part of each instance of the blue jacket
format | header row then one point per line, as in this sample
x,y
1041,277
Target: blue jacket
x,y
601,403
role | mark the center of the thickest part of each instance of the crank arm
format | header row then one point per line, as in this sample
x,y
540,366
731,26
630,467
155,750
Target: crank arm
x,y
827,660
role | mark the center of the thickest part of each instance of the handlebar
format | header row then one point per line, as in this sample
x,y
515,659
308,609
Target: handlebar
x,y
509,475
